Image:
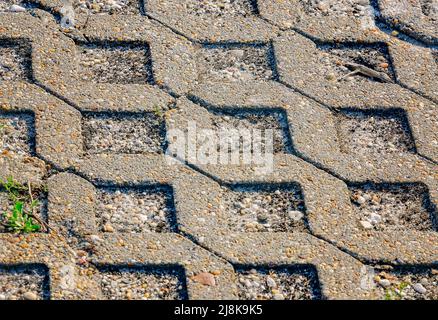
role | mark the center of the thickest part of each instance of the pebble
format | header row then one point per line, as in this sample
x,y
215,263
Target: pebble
x,y
2,297
419,288
278,296
30,296
271,282
16,8
385,283
366,225
205,278
108,228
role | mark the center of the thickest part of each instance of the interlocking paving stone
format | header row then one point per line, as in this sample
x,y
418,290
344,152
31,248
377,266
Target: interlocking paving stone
x,y
416,18
323,19
353,181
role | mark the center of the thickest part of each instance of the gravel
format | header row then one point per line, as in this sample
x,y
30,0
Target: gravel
x,y
15,61
129,134
299,283
23,283
142,284
134,211
255,209
355,8
375,57
236,63
416,283
374,133
393,207
257,122
17,134
119,63
107,6
221,8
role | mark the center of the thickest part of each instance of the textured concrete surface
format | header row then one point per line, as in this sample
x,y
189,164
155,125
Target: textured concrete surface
x,y
205,60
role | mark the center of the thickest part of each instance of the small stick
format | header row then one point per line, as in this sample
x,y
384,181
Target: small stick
x,y
32,215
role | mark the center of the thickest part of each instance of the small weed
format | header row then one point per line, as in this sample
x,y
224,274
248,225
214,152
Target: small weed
x,y
21,217
158,112
397,293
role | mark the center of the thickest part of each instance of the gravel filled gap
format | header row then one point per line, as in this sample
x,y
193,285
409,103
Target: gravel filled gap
x,y
394,207
128,133
236,62
17,133
136,210
24,282
374,132
143,282
265,208
296,282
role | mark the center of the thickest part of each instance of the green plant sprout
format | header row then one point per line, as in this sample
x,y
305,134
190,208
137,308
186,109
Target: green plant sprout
x,y
396,294
21,218
158,112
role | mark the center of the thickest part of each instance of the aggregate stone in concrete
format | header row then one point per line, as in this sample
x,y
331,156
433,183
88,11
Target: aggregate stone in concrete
x,y
213,21
339,20
306,66
416,18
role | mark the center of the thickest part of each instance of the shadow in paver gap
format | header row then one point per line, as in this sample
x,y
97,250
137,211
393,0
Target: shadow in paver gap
x,y
17,133
276,207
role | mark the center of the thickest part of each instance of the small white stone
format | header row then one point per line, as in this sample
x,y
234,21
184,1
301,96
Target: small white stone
x,y
16,8
366,225
2,297
271,282
419,288
278,296
385,283
30,296
295,215
375,218
360,200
